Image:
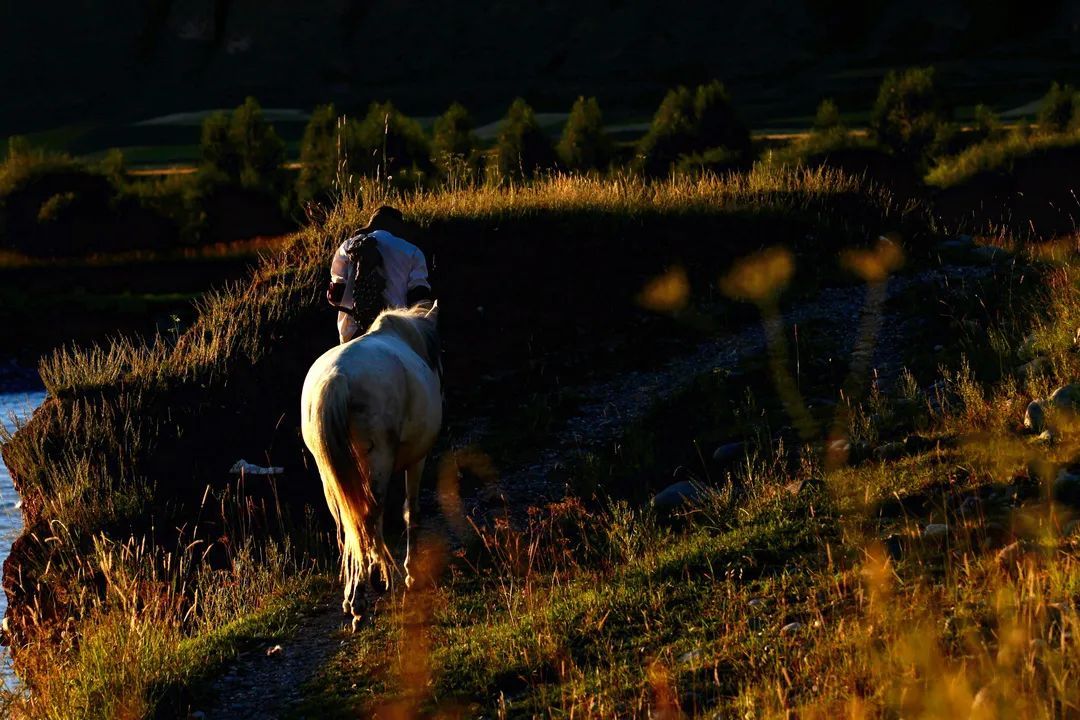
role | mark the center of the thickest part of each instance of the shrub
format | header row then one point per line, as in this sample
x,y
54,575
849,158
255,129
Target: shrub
x,y
907,113
584,144
453,144
319,154
522,149
716,160
1057,109
691,123
260,150
388,144
986,124
672,133
219,155
242,148
827,117
717,123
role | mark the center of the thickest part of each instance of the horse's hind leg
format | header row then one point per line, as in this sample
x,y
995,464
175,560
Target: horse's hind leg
x,y
412,497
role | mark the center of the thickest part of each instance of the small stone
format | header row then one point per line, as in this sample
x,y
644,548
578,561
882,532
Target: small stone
x,y
970,506
1038,366
756,602
914,444
889,451
1066,397
791,628
1035,416
729,453
275,650
676,496
935,531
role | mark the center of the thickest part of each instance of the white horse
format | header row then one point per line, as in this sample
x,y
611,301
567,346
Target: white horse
x,y
372,407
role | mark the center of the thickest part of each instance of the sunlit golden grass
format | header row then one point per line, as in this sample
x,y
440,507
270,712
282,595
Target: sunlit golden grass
x,y
996,155
607,611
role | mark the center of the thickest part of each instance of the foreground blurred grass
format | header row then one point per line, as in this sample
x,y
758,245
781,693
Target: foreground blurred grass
x,y
940,584
593,609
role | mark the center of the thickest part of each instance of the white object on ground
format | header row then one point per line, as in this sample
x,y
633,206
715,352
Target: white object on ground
x,y
243,467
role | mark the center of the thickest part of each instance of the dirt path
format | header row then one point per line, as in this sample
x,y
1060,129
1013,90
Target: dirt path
x,y
261,686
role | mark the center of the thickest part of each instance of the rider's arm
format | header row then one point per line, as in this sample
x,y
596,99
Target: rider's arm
x,y
418,288
339,275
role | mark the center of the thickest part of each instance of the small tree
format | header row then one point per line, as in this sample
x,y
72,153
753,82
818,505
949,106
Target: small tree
x,y
453,144
584,145
261,151
522,148
243,148
318,154
1057,108
827,118
672,133
219,154
717,123
387,143
985,124
907,112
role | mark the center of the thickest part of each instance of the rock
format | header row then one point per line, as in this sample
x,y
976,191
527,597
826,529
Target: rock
x,y
1037,366
935,531
243,467
791,628
889,451
677,496
1067,487
956,249
729,453
914,444
988,255
756,602
1066,397
1035,416
275,650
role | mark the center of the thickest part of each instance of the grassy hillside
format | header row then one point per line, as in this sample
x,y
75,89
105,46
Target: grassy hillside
x,y
134,444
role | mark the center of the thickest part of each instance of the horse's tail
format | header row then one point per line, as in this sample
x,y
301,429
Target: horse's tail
x,y
342,459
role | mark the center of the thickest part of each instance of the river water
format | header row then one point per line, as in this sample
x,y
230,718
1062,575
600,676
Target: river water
x,y
21,405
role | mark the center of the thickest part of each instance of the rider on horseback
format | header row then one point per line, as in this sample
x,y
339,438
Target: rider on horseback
x,y
374,270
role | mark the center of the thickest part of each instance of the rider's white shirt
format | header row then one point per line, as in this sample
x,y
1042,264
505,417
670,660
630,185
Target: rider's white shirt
x,y
403,263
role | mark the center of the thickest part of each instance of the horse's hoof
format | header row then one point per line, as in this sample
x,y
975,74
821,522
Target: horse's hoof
x,y
346,607
357,620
